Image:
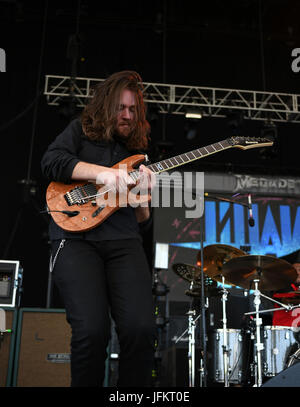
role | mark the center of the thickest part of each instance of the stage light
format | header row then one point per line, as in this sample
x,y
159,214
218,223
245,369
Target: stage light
x,y
193,114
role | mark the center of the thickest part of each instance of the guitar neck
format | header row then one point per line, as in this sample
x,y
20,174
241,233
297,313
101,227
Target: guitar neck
x,y
182,159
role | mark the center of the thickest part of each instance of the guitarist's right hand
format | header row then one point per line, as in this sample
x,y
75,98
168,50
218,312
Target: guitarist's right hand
x,y
114,179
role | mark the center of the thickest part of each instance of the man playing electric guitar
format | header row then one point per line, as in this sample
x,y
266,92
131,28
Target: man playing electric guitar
x,y
104,271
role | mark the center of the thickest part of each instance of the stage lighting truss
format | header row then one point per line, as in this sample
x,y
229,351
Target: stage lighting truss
x,y
177,99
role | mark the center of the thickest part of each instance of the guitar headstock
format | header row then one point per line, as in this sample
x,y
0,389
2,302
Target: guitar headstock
x,y
250,142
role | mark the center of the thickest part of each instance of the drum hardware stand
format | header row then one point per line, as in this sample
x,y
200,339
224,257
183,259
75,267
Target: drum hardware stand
x,y
192,319
192,343
258,322
286,307
259,345
225,348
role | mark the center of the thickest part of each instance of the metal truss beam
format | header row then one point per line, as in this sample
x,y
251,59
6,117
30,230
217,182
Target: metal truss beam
x,y
177,99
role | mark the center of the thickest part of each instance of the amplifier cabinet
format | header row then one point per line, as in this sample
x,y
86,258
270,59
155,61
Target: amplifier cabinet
x,y
42,354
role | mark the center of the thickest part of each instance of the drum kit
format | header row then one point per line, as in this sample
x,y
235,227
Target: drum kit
x,y
274,348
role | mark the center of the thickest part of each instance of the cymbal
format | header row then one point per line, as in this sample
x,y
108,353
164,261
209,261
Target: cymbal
x,y
186,271
192,273
214,257
273,273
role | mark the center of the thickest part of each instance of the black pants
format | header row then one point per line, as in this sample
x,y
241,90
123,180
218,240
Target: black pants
x,y
98,278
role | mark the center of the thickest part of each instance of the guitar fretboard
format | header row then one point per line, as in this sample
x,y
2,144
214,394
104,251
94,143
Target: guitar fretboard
x,y
185,158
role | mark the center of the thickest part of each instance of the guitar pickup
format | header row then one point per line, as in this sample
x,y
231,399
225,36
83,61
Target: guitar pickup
x,y
97,211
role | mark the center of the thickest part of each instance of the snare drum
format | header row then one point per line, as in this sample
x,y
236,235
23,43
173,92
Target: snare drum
x,y
279,343
236,356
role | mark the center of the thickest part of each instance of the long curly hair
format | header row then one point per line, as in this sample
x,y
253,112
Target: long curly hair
x,y
99,117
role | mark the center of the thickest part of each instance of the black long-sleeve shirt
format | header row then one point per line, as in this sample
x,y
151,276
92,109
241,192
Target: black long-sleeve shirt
x,y
58,162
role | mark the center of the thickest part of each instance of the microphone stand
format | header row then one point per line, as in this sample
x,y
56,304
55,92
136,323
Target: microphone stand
x,y
219,198
203,367
203,358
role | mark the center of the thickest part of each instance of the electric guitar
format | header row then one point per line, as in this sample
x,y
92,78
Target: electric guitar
x,y
75,207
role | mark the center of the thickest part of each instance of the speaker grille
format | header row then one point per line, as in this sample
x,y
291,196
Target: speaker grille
x,y
44,349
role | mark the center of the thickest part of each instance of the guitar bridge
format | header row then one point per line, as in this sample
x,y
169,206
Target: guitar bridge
x,y
81,194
